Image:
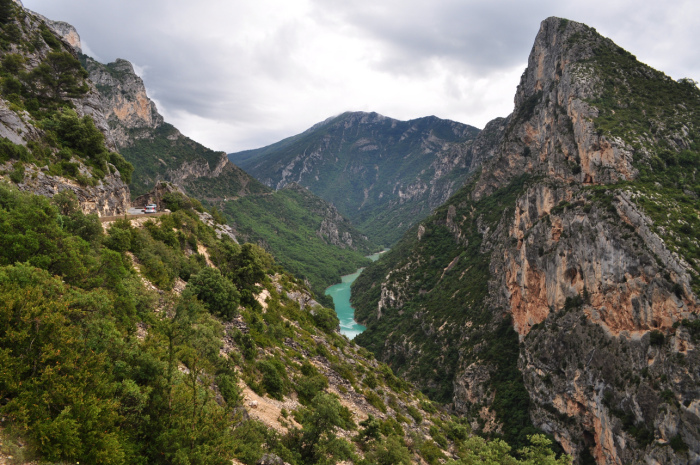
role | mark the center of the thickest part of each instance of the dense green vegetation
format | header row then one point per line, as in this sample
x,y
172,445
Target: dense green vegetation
x,y
287,223
98,368
77,381
362,162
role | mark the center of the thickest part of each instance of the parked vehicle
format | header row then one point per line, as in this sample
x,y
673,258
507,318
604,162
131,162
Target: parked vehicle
x,y
150,208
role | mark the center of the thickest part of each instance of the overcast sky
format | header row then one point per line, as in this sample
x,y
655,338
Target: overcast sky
x,y
237,75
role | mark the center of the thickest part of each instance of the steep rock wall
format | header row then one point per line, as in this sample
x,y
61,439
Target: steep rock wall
x,y
602,299
131,114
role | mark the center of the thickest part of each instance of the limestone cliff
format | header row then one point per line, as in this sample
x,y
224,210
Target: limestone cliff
x,y
158,150
63,30
131,114
561,286
46,165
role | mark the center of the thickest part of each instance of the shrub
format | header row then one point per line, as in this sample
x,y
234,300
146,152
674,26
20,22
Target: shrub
x,y
219,295
309,386
656,338
678,444
326,319
374,400
273,378
11,151
415,414
125,168
390,451
17,175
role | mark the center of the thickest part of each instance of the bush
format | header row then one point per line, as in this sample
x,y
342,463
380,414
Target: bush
x,y
219,295
273,378
11,151
390,451
656,338
228,385
309,386
415,414
374,400
326,319
17,175
678,444
125,168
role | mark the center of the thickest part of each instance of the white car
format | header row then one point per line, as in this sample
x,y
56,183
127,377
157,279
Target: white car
x,y
150,208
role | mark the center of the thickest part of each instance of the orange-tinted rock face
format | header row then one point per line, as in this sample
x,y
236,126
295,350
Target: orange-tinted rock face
x,y
601,269
127,106
589,277
139,108
568,253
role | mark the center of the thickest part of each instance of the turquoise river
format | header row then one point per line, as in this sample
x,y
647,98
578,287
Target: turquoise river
x,y
340,293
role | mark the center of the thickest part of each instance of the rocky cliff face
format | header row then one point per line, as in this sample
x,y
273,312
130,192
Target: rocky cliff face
x,y
105,193
108,197
63,30
131,114
383,174
580,228
158,151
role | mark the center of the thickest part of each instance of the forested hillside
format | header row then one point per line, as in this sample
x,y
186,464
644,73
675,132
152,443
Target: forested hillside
x,y
384,175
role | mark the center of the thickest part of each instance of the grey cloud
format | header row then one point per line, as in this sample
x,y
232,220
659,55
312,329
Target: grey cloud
x,y
196,61
482,36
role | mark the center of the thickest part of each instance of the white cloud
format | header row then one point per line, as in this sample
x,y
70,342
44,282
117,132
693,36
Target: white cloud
x,y
238,75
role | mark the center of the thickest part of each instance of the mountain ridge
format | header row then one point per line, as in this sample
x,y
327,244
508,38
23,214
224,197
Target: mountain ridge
x,y
560,271
381,173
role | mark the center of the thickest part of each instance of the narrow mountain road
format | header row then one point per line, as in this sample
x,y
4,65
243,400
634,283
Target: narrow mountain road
x,y
131,214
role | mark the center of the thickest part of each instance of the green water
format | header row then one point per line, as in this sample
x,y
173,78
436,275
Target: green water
x,y
340,293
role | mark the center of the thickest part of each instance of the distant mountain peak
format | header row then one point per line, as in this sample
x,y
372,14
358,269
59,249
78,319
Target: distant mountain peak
x,y
381,173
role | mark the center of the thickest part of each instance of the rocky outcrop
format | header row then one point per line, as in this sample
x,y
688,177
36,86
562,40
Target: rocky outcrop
x,y
156,196
129,111
220,229
107,196
15,126
601,298
63,30
197,169
551,132
585,250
